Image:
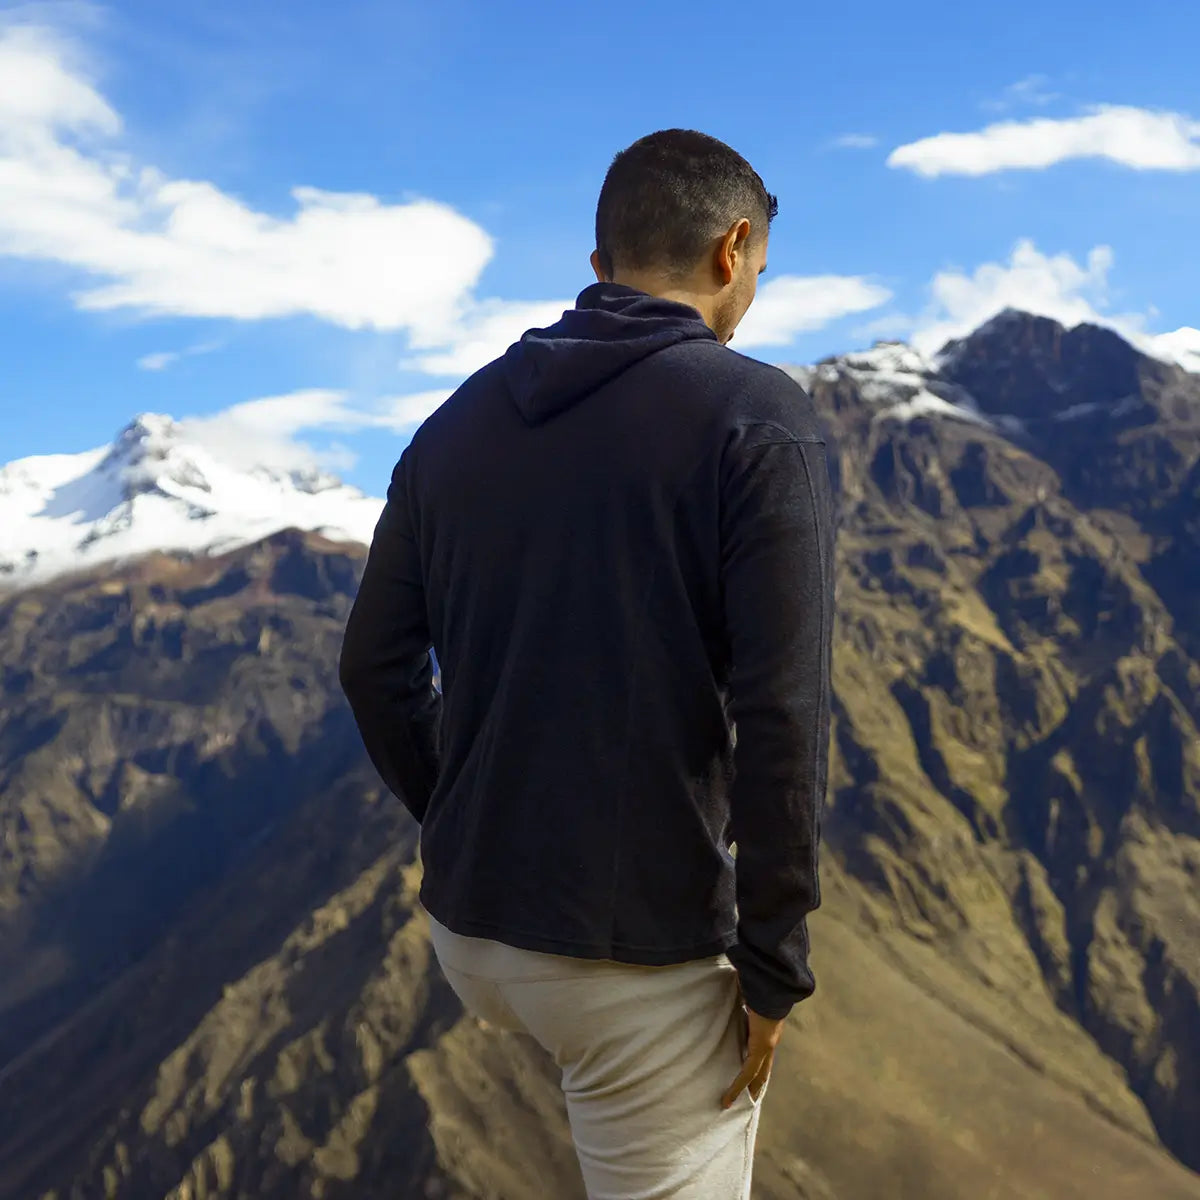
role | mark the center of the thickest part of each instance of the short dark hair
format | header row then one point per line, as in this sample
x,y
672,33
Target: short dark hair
x,y
668,195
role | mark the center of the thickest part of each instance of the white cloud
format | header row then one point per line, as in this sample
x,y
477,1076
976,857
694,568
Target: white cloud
x,y
1052,286
408,411
794,304
336,457
1049,285
267,430
1133,137
311,408
888,326
39,89
1183,345
483,332
161,359
182,247
856,141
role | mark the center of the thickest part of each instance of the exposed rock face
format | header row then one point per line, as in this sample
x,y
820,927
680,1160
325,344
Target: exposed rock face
x,y
215,980
155,723
1031,367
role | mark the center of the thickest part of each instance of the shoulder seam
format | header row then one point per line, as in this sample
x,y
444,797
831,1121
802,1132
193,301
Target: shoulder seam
x,y
789,436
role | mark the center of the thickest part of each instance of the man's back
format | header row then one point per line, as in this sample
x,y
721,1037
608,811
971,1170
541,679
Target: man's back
x,y
572,549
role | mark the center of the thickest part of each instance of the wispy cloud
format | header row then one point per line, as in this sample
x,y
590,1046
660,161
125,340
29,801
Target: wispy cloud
x,y
483,333
1032,91
408,411
272,430
1139,138
159,360
267,430
889,326
794,304
856,141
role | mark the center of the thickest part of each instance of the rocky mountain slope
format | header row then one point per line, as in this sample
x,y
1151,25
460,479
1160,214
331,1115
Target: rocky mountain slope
x,y
156,724
1017,596
216,981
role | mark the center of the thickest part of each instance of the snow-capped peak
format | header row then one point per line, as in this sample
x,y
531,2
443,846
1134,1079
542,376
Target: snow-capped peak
x,y
154,453
884,367
888,358
897,380
158,488
150,455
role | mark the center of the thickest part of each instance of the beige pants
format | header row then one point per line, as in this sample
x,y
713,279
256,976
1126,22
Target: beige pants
x,y
646,1054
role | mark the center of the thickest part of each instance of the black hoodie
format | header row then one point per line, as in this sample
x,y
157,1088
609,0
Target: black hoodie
x,y
617,539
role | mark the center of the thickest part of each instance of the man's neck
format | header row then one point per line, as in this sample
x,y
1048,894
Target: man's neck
x,y
654,286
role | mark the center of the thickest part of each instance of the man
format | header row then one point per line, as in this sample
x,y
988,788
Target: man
x,y
617,538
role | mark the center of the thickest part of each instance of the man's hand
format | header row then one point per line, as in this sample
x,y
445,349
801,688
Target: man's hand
x,y
760,1036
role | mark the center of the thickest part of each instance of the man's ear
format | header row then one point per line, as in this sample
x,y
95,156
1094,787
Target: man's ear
x,y
729,246
595,261
737,241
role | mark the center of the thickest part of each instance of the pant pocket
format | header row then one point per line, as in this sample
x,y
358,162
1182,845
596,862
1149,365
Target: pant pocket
x,y
756,1101
743,1046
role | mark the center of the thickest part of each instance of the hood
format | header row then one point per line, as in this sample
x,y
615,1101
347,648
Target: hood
x,y
611,327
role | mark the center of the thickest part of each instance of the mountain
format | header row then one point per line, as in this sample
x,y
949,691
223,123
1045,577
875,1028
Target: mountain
x,y
1019,661
155,488
215,980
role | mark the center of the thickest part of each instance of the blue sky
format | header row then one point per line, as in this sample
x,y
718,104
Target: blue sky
x,y
933,162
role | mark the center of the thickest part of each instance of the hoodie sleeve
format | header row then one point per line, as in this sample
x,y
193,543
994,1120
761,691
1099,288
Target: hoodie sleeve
x,y
385,668
777,585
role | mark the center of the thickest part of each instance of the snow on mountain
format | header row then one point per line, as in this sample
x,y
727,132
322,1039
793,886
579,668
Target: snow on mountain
x,y
924,402
1182,347
896,378
155,488
889,359
887,373
1046,370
